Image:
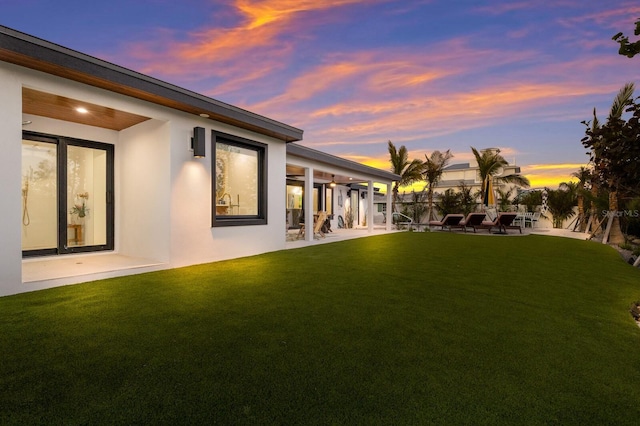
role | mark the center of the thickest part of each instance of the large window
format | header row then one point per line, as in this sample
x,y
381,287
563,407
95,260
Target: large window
x,y
67,195
239,181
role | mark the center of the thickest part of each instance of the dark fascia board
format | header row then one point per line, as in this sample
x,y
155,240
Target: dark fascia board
x,y
32,52
322,157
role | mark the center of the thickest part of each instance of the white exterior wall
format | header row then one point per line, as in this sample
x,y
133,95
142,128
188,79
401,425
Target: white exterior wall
x,y
193,240
11,179
142,199
162,193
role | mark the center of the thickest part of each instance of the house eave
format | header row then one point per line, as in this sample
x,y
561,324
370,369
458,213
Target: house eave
x,y
298,150
40,55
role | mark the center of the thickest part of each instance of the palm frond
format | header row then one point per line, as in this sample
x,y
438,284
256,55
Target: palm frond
x,y
517,179
621,101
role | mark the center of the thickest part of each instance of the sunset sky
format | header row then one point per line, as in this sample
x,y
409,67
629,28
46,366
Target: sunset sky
x,y
353,74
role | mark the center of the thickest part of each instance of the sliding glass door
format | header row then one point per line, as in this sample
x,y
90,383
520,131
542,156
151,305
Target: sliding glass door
x,y
67,192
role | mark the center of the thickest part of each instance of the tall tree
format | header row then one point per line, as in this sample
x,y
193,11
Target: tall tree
x,y
614,152
626,48
409,171
595,187
490,164
433,167
584,178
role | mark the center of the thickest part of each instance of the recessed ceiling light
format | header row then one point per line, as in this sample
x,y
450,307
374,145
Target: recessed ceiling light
x,y
82,110
203,115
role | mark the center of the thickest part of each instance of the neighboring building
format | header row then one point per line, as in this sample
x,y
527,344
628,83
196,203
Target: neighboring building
x,y
454,174
146,176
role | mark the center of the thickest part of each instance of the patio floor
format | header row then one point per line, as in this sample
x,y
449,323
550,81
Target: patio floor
x,y
43,273
74,269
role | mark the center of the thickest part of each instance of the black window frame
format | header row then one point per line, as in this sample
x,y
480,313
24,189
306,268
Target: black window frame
x,y
62,142
262,151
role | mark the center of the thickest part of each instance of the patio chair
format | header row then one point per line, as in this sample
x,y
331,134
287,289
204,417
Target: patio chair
x,y
319,224
473,220
447,221
532,219
503,222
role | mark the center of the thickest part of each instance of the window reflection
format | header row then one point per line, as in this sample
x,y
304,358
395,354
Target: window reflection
x,y
236,180
39,195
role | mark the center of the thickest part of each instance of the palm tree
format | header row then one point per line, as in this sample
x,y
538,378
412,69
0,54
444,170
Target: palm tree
x,y
433,167
490,164
584,177
504,199
623,99
561,202
620,102
593,212
409,171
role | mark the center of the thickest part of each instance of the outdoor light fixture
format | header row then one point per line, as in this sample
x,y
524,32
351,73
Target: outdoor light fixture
x,y
333,181
197,142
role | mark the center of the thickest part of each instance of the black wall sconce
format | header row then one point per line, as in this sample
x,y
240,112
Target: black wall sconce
x,y
197,142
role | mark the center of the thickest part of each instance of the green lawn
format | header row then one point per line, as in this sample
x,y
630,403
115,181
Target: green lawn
x,y
408,328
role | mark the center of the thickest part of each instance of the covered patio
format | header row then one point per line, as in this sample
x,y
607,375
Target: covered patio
x,y
353,195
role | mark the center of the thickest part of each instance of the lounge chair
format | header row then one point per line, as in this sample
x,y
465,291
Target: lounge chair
x,y
450,220
503,222
473,220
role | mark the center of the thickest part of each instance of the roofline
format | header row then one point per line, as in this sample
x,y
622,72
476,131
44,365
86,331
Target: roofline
x,y
31,52
322,157
459,166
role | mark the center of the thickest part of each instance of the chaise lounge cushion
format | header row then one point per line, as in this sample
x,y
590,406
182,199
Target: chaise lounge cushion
x,y
503,222
473,220
447,221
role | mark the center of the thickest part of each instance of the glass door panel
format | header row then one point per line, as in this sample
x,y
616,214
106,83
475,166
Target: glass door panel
x,y
39,195
67,195
355,206
86,196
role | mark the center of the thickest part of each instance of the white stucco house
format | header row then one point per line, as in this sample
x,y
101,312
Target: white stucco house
x,y
455,174
101,162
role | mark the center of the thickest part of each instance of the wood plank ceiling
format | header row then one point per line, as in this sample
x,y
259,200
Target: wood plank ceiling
x,y
62,108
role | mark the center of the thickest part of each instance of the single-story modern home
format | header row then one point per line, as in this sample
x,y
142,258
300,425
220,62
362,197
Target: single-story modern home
x,y
122,173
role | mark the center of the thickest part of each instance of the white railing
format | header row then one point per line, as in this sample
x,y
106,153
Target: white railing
x,y
407,222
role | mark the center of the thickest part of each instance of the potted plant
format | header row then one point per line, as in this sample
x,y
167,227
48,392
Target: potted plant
x,y
81,208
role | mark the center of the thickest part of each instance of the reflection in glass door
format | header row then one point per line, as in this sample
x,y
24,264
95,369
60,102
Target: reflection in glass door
x,y
355,206
86,201
67,189
39,195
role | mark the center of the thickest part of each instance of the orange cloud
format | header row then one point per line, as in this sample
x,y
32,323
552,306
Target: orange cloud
x,y
255,47
550,175
260,12
434,115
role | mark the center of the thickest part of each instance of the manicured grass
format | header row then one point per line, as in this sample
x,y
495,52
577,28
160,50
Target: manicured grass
x,y
410,328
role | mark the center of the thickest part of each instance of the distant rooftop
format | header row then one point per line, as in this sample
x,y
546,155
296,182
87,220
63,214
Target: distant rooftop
x,y
460,166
